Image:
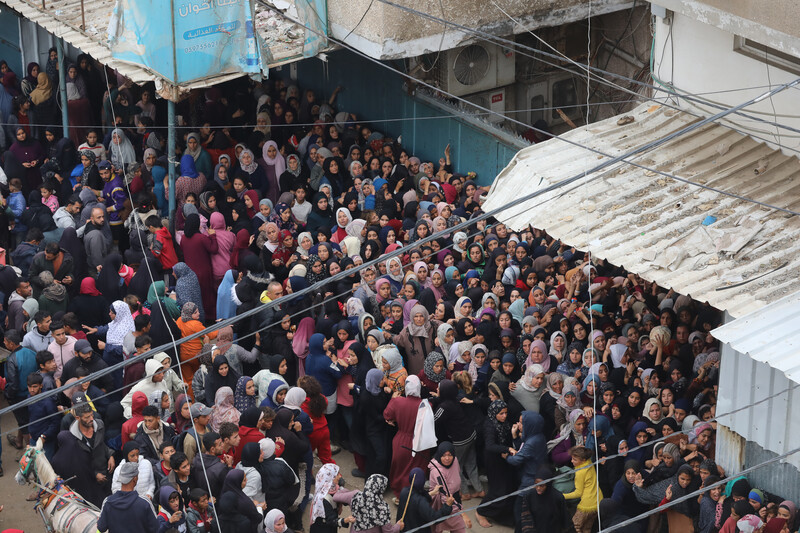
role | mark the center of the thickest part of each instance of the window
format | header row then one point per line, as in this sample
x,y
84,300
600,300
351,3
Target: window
x,y
768,55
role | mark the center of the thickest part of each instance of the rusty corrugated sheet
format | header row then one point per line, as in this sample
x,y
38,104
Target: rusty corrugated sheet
x,y
651,224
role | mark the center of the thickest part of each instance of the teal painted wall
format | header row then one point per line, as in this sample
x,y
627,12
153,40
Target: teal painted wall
x,y
9,41
373,92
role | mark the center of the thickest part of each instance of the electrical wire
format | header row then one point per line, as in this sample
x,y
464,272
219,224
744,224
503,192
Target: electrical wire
x,y
714,118
612,160
177,364
495,39
161,306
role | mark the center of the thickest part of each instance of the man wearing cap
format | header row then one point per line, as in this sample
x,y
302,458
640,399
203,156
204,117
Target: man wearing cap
x,y
199,413
114,197
83,454
125,510
86,358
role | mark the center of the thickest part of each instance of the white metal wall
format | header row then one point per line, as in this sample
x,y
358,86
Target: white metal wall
x,y
744,381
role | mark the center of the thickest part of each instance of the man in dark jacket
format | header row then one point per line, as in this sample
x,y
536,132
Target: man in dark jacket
x,y
151,432
125,511
24,252
86,358
54,260
82,452
208,469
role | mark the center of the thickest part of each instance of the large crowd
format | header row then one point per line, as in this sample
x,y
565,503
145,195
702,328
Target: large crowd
x,y
467,367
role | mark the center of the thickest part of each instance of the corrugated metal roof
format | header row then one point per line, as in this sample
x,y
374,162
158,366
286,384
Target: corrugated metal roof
x,y
653,225
63,19
769,335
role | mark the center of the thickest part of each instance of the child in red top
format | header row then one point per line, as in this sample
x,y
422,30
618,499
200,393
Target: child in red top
x,y
315,406
163,247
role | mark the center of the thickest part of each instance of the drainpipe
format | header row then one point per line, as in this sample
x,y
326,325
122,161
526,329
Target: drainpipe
x,y
62,87
171,160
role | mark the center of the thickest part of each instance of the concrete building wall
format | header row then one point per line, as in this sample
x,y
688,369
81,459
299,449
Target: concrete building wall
x,y
700,58
387,32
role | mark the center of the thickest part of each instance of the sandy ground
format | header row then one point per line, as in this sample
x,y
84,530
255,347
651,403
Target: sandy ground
x,y
20,514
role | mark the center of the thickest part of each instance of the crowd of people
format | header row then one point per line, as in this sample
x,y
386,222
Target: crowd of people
x,y
467,367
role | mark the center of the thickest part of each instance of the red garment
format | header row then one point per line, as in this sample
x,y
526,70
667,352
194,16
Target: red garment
x,y
164,249
321,442
138,402
246,435
197,252
403,412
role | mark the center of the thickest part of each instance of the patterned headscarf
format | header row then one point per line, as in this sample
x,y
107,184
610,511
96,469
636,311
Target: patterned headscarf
x,y
368,506
324,486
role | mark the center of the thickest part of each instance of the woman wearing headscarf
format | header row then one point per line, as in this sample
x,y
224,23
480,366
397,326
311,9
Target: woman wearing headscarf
x,y
223,409
90,305
416,339
433,372
370,510
402,413
189,181
121,148
244,396
295,175
249,170
80,111
189,324
321,215
198,251
417,504
369,433
236,511
327,499
444,470
187,287
548,402
109,281
202,159
274,166
28,152
498,445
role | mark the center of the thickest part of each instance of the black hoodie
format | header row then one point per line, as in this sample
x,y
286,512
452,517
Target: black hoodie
x,y
126,512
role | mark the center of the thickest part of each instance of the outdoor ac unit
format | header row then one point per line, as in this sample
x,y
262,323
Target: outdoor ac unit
x,y
565,91
494,100
476,68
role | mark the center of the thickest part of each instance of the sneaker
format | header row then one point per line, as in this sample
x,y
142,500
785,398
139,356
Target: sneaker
x,y
357,473
1,471
335,449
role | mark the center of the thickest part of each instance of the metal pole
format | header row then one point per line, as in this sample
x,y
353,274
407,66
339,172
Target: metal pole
x,y
62,87
171,159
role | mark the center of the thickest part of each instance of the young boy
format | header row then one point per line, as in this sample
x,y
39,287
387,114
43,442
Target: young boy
x,y
44,417
72,325
162,468
171,516
47,369
16,202
229,433
200,512
181,473
163,247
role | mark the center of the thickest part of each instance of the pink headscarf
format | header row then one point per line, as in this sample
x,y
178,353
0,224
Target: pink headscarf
x,y
305,329
545,359
277,161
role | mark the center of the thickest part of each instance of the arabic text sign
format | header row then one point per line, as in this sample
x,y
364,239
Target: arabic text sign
x,y
186,40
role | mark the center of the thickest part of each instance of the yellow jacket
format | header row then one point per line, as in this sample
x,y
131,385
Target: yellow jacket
x,y
586,488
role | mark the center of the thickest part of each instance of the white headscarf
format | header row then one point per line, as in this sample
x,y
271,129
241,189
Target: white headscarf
x,y
121,325
322,488
413,386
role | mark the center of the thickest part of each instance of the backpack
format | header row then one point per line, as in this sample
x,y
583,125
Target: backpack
x,y
179,439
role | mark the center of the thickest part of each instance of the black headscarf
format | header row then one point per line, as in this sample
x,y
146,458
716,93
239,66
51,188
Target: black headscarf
x,y
192,225
109,282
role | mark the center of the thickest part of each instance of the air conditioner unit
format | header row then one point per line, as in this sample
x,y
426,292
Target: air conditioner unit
x,y
475,68
565,91
494,100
